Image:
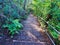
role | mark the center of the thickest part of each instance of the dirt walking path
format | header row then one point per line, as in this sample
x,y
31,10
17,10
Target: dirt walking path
x,y
31,34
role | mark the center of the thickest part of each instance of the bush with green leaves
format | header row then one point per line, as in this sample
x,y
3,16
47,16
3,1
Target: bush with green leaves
x,y
11,14
13,26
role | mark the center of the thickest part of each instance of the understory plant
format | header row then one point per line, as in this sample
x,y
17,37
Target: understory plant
x,y
11,14
13,26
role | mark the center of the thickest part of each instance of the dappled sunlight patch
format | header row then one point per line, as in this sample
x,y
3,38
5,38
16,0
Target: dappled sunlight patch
x,y
32,36
37,28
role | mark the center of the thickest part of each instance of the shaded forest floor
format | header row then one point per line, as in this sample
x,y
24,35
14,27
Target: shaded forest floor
x,y
32,34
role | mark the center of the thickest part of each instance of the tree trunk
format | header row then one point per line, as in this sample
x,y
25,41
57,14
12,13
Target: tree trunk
x,y
24,4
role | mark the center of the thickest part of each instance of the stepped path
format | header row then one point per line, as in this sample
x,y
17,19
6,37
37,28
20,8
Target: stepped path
x,y
32,34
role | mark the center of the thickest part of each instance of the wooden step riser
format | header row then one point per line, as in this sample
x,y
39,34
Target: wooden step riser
x,y
25,43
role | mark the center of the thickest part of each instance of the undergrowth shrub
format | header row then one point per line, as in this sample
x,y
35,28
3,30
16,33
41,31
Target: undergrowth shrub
x,y
11,14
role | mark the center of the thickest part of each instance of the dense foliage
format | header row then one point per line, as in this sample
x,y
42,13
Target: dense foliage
x,y
49,10
11,14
